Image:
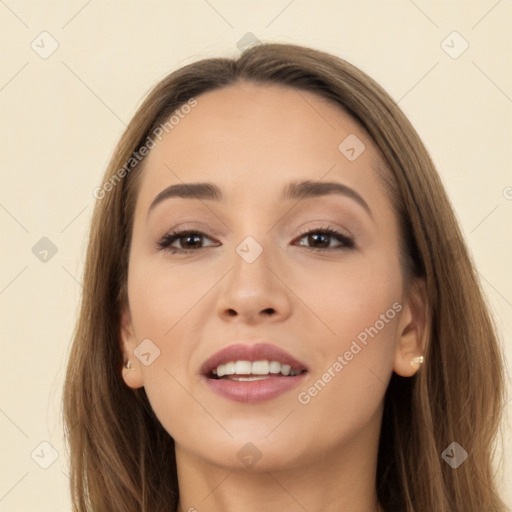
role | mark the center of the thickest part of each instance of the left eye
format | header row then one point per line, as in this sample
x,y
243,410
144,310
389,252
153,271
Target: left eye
x,y
188,240
319,240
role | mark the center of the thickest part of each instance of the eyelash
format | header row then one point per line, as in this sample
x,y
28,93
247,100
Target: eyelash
x,y
165,242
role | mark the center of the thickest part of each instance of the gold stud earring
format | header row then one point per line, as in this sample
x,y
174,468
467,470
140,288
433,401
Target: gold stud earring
x,y
417,360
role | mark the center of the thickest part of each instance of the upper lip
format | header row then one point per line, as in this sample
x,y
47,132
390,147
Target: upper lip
x,y
250,352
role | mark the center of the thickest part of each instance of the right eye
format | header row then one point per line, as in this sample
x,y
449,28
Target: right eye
x,y
188,241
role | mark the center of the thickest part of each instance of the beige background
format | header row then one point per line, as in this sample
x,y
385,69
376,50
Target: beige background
x,y
62,115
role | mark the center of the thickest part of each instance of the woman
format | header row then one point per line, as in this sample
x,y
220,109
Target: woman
x,y
279,311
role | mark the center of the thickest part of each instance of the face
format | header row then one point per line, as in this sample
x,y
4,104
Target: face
x,y
316,275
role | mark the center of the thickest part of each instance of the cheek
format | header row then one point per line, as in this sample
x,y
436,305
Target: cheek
x,y
162,294
350,296
359,306
167,304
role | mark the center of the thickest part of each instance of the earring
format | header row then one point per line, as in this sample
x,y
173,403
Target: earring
x,y
128,365
417,360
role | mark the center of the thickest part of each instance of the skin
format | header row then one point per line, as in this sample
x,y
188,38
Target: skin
x,y
251,140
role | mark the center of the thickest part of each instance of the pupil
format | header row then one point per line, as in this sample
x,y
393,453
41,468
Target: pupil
x,y
315,238
192,237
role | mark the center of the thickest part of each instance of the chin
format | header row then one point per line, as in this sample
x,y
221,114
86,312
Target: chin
x,y
248,451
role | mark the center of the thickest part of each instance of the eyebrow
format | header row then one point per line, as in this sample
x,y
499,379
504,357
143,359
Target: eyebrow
x,y
296,190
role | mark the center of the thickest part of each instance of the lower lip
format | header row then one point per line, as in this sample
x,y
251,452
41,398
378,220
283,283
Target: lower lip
x,y
253,391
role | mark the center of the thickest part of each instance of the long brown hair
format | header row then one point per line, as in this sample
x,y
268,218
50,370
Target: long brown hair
x,y
121,457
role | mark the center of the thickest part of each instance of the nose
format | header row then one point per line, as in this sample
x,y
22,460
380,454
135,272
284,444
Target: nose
x,y
254,292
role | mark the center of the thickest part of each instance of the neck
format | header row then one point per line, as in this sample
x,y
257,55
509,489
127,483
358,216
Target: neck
x,y
341,481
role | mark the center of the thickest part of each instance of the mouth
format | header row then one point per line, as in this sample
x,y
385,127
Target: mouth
x,y
252,373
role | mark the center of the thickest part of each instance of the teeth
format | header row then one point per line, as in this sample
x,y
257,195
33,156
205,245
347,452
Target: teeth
x,y
285,369
275,367
246,379
260,368
230,368
243,367
253,368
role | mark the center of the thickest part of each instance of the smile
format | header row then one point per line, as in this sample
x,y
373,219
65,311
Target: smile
x,y
252,373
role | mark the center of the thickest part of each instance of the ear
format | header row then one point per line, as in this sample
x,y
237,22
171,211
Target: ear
x,y
413,329
132,376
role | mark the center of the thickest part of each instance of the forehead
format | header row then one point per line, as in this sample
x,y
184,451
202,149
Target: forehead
x,y
252,138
